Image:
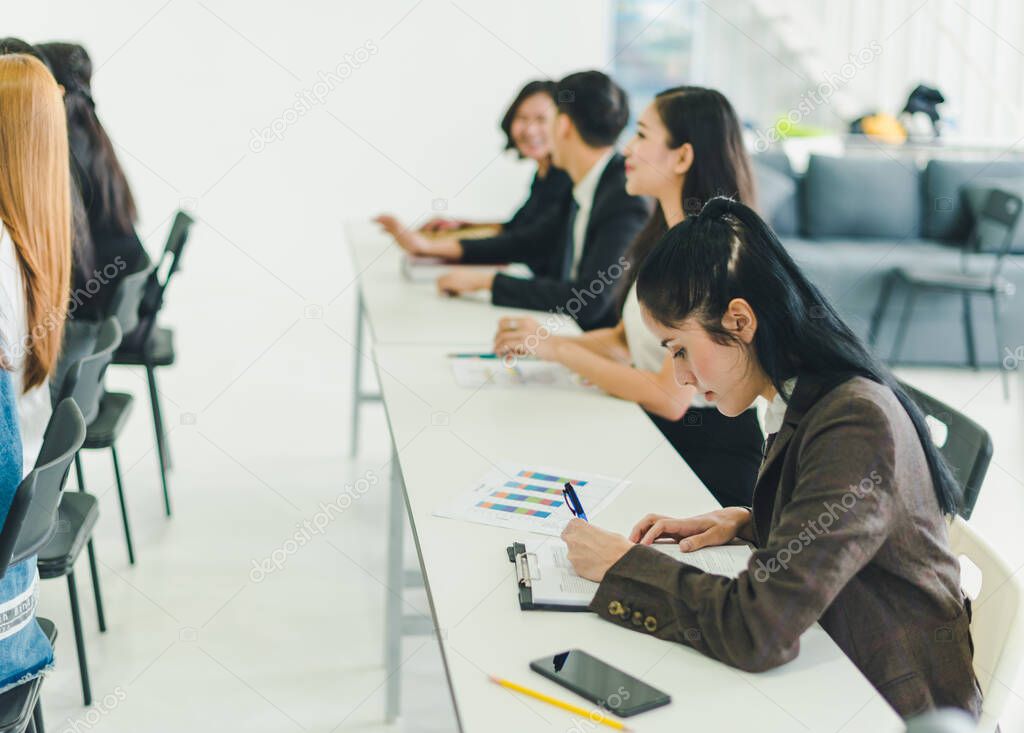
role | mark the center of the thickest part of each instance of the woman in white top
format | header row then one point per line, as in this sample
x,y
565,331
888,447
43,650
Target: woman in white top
x,y
35,237
688,149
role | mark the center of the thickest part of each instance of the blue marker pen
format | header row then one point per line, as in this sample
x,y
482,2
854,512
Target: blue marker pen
x,y
573,502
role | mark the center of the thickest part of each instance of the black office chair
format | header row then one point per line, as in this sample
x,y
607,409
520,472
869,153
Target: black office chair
x,y
967,446
32,522
20,708
114,407
79,511
124,303
151,346
998,219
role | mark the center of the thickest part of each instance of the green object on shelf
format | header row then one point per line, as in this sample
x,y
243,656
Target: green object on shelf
x,y
786,129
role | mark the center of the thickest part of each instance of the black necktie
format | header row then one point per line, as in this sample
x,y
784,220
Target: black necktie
x,y
570,241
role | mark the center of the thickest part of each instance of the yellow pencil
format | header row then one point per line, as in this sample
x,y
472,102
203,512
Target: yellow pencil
x,y
594,715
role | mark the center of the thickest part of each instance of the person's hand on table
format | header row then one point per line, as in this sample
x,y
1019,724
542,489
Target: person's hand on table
x,y
706,530
593,550
523,336
409,240
461,280
415,243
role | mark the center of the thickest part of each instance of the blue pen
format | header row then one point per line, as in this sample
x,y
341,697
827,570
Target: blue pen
x,y
573,502
472,356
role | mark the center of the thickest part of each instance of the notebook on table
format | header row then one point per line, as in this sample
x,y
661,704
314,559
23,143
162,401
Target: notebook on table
x,y
546,581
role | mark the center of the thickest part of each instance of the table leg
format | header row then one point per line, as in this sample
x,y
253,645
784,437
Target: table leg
x,y
357,373
393,611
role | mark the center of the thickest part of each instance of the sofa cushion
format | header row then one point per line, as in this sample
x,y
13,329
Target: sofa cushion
x,y
945,212
777,160
776,198
861,197
975,195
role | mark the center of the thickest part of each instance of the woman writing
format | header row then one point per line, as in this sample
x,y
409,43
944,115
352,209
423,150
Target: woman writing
x,y
688,148
847,520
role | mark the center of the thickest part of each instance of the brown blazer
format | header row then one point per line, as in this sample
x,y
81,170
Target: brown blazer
x,y
848,533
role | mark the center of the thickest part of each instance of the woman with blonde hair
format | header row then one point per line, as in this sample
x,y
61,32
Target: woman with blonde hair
x,y
35,237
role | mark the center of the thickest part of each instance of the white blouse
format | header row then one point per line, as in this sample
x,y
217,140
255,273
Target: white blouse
x,y
645,350
34,406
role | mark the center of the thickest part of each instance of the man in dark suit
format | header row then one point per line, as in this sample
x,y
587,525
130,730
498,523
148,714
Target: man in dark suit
x,y
576,251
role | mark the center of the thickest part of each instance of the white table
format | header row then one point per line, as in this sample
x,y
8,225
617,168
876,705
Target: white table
x,y
403,312
445,437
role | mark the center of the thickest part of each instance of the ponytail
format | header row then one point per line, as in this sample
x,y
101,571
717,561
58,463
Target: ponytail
x,y
727,251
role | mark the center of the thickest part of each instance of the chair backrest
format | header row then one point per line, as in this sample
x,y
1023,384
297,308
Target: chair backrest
x,y
966,445
31,520
997,624
79,341
995,225
83,381
124,303
167,265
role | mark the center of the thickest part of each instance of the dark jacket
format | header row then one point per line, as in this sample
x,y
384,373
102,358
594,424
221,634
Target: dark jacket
x,y
548,193
848,533
114,254
615,219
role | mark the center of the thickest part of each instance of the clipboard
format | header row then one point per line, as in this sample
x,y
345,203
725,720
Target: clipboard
x,y
525,573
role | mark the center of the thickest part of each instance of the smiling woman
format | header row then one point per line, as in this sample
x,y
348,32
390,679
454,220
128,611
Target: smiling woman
x,y
527,128
847,519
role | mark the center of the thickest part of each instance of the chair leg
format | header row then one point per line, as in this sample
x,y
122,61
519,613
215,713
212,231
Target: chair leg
x,y
100,617
161,438
972,356
357,371
997,320
124,506
76,623
880,307
78,473
37,716
901,332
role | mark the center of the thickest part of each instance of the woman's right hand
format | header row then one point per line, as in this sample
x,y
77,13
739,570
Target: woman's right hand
x,y
706,530
411,241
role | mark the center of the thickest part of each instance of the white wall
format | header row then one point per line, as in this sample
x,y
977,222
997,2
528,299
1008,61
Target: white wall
x,y
181,84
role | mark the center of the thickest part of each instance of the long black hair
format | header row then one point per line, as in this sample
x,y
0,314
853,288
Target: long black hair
x,y
706,120
533,87
727,252
109,199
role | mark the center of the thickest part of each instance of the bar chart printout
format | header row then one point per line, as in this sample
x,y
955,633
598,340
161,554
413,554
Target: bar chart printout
x,y
529,498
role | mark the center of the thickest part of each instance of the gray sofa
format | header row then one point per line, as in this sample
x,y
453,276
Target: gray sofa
x,y
849,221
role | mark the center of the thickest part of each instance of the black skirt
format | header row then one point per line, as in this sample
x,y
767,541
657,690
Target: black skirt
x,y
724,452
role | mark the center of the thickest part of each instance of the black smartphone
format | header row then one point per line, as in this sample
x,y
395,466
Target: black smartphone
x,y
600,683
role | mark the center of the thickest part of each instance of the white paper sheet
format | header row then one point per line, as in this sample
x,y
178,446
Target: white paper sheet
x,y
478,373
529,498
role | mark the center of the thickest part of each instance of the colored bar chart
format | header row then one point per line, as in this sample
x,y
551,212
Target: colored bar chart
x,y
514,509
526,498
548,477
529,499
534,487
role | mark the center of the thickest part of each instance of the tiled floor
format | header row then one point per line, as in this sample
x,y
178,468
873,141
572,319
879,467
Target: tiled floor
x,y
200,639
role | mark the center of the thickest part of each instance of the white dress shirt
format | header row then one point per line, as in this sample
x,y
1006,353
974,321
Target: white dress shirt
x,y
583,192
776,412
